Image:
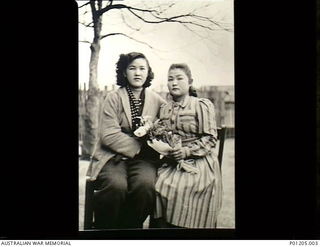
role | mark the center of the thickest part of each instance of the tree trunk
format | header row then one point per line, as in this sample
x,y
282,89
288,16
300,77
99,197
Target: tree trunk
x,y
91,121
92,104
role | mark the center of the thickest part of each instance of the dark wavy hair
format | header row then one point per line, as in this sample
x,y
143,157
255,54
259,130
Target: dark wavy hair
x,y
186,69
122,65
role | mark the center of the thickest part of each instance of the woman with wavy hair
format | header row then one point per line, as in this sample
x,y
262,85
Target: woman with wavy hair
x,y
124,165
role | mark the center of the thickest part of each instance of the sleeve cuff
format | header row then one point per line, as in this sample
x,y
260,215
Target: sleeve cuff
x,y
187,151
134,151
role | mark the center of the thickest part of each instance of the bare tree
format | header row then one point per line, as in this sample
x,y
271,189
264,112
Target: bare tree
x,y
153,13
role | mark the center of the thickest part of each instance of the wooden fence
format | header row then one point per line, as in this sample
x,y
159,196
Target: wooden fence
x,y
224,106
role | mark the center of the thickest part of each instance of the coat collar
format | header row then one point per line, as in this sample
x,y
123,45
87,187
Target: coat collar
x,y
183,103
126,104
147,102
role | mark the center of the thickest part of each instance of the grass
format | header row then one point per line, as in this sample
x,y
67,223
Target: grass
x,y
226,218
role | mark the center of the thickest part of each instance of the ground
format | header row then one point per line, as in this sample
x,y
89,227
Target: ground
x,y
226,218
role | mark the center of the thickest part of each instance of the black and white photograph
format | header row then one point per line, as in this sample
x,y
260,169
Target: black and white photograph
x,y
156,115
162,120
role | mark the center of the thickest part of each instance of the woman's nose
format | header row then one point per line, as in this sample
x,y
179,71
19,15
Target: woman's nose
x,y
137,72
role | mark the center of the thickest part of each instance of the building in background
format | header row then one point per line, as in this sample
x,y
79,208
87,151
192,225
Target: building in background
x,y
223,99
221,96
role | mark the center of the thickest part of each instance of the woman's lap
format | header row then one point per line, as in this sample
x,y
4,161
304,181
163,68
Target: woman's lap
x,y
126,194
188,197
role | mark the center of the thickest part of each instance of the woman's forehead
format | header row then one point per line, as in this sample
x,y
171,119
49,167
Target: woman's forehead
x,y
176,72
139,61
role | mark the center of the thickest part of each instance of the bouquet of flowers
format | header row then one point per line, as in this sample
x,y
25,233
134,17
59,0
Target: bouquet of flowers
x,y
160,135
162,139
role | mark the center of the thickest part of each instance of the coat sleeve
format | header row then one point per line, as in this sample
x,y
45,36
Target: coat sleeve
x,y
111,134
162,103
207,130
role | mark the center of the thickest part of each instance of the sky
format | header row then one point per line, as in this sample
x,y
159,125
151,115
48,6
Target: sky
x,y
209,54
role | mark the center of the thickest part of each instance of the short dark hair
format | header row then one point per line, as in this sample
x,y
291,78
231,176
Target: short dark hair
x,y
122,65
186,69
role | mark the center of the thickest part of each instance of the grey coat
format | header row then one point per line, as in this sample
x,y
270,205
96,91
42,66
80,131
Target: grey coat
x,y
115,134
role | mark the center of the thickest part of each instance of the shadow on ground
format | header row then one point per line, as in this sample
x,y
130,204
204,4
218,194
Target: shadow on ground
x,y
226,218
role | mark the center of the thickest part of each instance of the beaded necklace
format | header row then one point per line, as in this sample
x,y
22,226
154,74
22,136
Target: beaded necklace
x,y
136,106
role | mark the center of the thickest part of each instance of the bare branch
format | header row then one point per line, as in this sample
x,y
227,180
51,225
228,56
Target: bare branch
x,y
93,6
83,5
112,6
171,19
201,37
86,25
178,20
139,41
84,41
99,4
196,57
211,21
155,50
96,18
201,7
167,7
154,13
125,22
121,6
159,6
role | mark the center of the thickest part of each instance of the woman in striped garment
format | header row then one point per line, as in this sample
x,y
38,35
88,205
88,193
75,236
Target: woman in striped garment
x,y
189,193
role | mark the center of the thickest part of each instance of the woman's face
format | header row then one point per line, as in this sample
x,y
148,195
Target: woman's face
x,y
178,83
137,72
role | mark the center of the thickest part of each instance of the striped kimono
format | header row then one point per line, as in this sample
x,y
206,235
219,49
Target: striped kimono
x,y
184,199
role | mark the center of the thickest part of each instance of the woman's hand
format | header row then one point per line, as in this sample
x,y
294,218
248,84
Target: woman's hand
x,y
178,153
159,146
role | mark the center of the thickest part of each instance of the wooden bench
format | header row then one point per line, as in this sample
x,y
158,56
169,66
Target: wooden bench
x,y
92,185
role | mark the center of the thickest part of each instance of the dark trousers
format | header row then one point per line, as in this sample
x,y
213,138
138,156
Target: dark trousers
x,y
126,194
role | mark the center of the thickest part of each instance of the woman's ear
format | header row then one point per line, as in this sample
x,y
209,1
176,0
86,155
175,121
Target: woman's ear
x,y
190,81
124,74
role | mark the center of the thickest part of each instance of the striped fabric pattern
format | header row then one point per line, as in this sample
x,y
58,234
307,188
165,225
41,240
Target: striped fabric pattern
x,y
184,199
